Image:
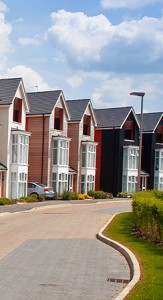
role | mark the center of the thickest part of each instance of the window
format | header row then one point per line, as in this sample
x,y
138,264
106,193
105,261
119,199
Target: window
x,y
132,181
83,186
86,125
15,149
60,152
129,130
58,118
19,149
17,110
63,153
90,183
54,182
88,156
22,184
13,185
130,158
55,153
133,159
62,183
159,160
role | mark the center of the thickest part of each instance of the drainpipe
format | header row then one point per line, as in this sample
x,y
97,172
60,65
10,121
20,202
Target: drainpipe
x,y
43,138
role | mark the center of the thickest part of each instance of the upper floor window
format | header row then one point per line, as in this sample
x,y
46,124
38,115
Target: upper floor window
x,y
17,110
60,152
159,134
130,158
86,125
19,149
58,118
129,130
159,160
88,156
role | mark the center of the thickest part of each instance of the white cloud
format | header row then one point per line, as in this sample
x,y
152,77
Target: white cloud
x,y
127,3
80,37
93,43
29,41
32,80
5,31
75,81
115,90
3,7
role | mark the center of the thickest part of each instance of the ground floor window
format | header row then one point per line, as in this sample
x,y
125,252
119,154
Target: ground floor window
x,y
87,183
158,183
132,181
22,184
129,184
90,183
63,183
18,184
60,182
13,185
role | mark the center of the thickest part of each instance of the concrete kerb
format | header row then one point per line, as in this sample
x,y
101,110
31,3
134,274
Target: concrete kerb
x,y
130,257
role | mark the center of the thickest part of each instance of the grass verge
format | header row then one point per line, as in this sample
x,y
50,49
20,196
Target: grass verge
x,y
149,255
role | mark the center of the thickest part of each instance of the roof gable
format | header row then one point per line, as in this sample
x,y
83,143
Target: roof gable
x,y
43,102
113,117
77,109
151,121
8,88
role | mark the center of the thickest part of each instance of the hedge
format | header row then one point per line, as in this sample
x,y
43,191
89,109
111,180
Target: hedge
x,y
147,209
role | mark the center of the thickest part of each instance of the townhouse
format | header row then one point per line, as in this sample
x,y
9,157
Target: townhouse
x,y
14,139
49,143
117,134
81,130
152,150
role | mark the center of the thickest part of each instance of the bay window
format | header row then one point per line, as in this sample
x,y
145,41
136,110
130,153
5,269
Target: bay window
x,y
19,149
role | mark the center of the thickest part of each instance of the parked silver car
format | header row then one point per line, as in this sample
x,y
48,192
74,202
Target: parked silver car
x,y
40,189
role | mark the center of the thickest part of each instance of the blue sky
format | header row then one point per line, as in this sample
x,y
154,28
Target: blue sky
x,y
97,49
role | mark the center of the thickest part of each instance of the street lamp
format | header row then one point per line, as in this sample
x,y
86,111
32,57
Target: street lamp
x,y
139,94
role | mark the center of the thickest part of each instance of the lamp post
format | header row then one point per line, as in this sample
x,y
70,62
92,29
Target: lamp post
x,y
139,94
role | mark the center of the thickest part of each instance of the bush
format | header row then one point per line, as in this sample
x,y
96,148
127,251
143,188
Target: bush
x,y
66,195
28,199
124,195
6,201
148,214
74,196
100,195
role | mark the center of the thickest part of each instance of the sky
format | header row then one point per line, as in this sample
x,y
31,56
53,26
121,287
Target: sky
x,y
95,49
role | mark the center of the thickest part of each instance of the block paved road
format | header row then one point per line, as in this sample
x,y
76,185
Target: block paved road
x,y
51,253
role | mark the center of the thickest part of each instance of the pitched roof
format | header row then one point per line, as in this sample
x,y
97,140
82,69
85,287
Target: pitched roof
x,y
150,120
112,117
77,108
8,88
42,102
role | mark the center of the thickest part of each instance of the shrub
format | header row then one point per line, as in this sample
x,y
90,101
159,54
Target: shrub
x,y
148,214
66,195
74,196
28,199
124,195
6,201
81,197
100,195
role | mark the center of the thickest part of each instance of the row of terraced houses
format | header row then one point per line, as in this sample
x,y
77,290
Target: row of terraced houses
x,y
70,145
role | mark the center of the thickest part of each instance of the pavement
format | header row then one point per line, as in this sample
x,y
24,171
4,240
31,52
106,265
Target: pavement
x,y
51,252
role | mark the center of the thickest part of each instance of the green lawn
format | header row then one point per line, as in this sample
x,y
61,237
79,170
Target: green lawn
x,y
149,255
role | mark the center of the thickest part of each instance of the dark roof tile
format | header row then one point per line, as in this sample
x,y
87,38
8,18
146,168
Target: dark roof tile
x,y
77,108
111,117
8,88
150,120
42,102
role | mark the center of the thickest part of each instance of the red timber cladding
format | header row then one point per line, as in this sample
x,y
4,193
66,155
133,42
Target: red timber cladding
x,y
98,138
73,133
38,148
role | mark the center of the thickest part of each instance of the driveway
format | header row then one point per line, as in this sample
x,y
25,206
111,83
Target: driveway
x,y
51,252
